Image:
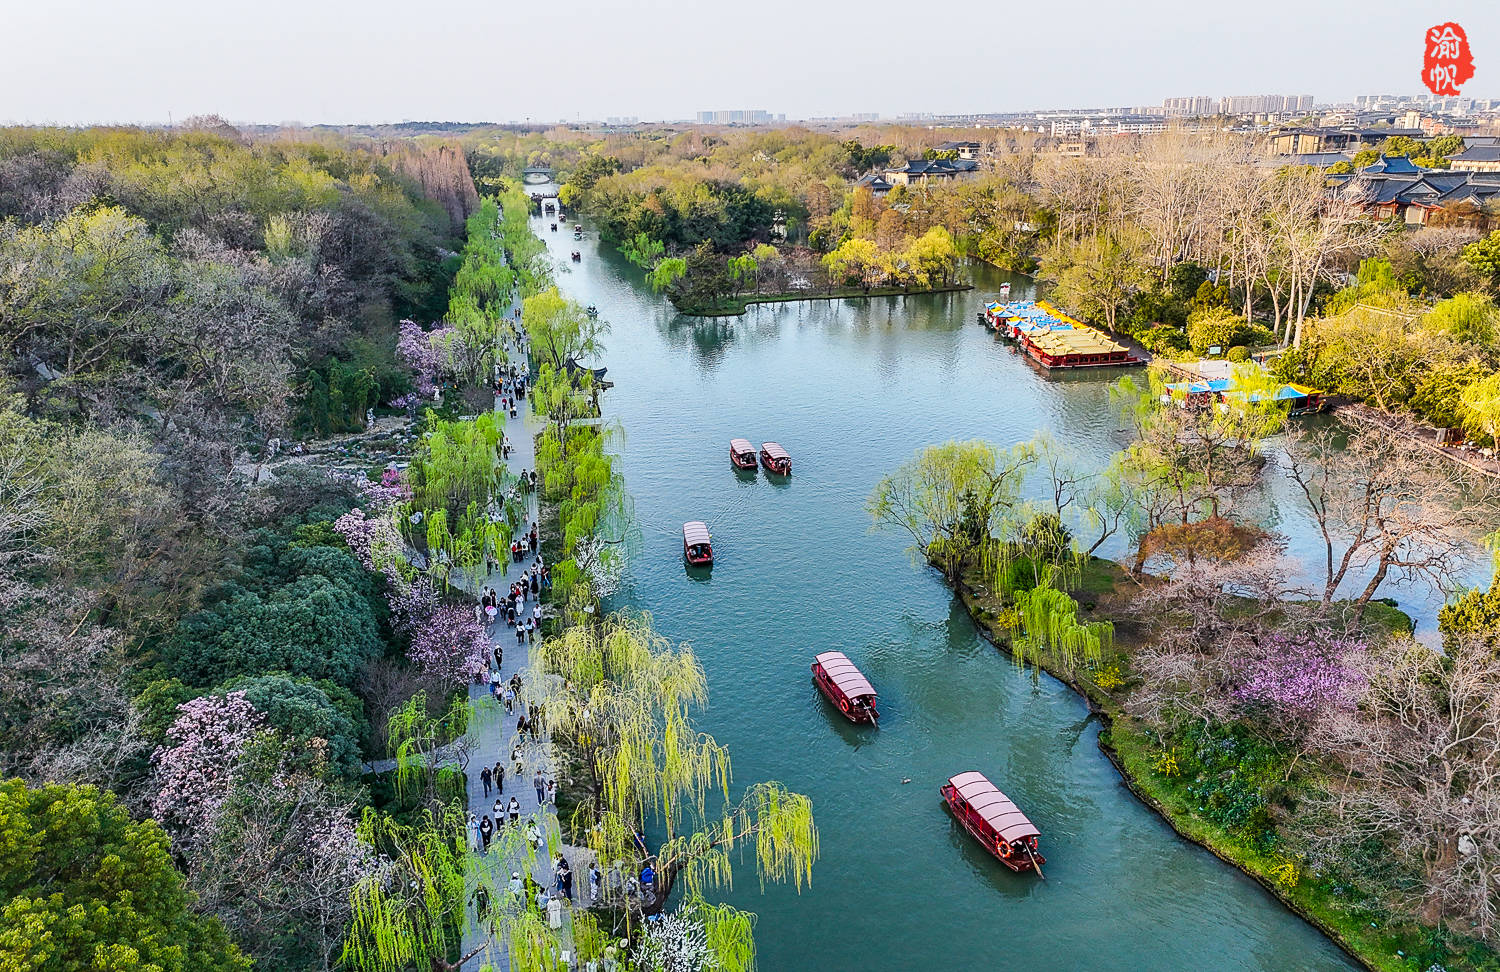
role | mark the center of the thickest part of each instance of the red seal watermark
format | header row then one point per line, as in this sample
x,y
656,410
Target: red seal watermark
x,y
1446,62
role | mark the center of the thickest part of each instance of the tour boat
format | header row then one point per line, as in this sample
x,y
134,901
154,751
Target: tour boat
x,y
846,687
775,458
742,453
993,819
695,544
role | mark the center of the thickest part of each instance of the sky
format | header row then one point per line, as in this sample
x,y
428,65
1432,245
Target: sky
x,y
337,61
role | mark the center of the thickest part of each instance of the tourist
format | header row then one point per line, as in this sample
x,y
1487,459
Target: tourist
x,y
531,628
474,831
564,877
499,809
510,700
515,756
534,834
648,880
517,886
499,778
520,635
595,880
552,792
499,656
481,903
541,789
487,778
486,831
515,811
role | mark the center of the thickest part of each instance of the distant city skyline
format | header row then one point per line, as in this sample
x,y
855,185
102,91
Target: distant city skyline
x,y
332,62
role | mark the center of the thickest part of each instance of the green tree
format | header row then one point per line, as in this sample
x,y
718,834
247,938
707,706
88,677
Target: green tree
x,y
84,888
1484,257
949,499
1481,407
1097,276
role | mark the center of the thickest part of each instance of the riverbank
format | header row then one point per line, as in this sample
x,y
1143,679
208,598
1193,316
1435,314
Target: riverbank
x,y
737,305
1372,939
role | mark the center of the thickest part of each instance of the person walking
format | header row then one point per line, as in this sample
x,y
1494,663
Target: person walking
x,y
541,789
499,811
498,775
487,778
515,756
515,811
595,881
474,831
486,831
510,700
552,792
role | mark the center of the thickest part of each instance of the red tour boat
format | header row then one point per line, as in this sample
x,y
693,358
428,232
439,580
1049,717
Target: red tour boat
x,y
775,458
695,544
742,453
994,820
846,687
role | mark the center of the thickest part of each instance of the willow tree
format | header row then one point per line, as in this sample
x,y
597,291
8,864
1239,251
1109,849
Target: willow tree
x,y
620,695
560,330
460,504
949,498
1046,630
580,480
411,913
416,737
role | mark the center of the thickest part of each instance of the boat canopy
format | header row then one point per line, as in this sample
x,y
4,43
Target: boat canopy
x,y
837,666
741,445
774,450
997,809
694,532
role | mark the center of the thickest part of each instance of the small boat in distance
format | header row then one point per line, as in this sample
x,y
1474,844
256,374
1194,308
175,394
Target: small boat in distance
x,y
846,687
994,820
775,458
742,453
576,256
696,546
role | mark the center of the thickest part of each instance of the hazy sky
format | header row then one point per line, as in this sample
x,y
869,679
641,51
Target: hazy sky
x,y
74,61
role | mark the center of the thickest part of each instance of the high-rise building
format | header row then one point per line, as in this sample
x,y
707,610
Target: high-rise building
x,y
1193,107
738,116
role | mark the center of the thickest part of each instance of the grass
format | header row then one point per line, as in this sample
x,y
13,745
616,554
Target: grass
x,y
736,305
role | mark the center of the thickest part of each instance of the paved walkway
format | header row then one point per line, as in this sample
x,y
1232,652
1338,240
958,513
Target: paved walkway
x,y
495,737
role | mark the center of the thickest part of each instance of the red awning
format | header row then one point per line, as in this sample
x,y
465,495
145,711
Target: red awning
x,y
774,450
996,809
841,671
694,532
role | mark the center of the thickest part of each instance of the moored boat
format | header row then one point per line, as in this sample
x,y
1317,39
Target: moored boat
x,y
742,453
697,548
775,458
846,686
993,819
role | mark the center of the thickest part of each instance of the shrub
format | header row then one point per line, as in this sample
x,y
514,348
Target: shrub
x,y
1239,353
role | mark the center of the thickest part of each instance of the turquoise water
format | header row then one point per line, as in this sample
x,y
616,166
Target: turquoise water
x,y
851,389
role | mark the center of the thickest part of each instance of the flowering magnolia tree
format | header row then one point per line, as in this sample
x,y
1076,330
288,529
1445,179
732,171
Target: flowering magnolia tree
x,y
1300,677
416,348
450,646
373,540
193,773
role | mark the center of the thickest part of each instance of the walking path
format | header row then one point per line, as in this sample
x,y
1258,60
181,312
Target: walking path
x,y
493,732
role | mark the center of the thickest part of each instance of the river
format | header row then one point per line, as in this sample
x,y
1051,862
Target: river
x,y
851,389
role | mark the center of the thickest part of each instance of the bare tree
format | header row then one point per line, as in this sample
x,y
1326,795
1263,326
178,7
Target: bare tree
x,y
1422,779
1384,506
